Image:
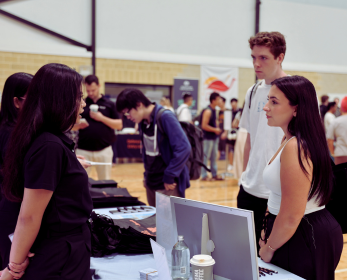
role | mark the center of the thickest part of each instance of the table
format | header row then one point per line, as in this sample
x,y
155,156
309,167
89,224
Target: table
x,y
127,146
121,267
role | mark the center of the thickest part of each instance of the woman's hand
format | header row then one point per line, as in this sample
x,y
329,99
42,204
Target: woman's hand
x,y
224,135
266,254
82,161
5,275
17,270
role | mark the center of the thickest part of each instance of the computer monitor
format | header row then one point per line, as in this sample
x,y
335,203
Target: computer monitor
x,y
232,231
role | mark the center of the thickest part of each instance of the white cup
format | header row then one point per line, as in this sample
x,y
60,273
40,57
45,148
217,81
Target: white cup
x,y
94,107
202,267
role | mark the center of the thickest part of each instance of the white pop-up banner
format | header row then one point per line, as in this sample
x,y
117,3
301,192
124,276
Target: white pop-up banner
x,y
224,80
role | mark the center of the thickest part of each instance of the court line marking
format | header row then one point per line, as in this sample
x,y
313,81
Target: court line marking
x,y
341,270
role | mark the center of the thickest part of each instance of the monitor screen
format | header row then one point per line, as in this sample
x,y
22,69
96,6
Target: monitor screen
x,y
231,230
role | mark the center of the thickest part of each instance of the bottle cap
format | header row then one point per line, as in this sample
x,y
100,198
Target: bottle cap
x,y
202,260
180,238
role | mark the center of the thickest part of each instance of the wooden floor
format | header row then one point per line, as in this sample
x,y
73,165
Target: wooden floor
x,y
130,176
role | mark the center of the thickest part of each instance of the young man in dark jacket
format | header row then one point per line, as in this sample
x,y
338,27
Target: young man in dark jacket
x,y
164,154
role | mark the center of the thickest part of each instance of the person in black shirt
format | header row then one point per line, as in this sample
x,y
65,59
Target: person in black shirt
x,y
222,139
95,140
323,108
12,100
234,110
41,171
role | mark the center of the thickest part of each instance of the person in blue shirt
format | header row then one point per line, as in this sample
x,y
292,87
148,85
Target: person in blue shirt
x,y
166,153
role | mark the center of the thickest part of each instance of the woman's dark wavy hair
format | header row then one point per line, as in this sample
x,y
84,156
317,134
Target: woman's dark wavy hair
x,y
309,131
15,86
51,105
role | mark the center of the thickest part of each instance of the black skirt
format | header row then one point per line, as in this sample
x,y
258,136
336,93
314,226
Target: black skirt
x,y
314,251
9,212
64,257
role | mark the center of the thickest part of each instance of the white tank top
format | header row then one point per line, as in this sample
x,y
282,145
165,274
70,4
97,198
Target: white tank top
x,y
272,179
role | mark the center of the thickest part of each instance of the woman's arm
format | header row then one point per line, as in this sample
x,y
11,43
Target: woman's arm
x,y
331,146
33,206
295,186
29,220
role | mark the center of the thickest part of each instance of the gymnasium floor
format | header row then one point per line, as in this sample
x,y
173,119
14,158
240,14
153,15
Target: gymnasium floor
x,y
130,175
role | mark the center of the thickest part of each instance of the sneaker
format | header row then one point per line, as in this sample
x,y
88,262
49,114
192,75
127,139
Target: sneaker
x,y
230,167
218,178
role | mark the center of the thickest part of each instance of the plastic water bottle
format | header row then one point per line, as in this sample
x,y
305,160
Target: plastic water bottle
x,y
180,260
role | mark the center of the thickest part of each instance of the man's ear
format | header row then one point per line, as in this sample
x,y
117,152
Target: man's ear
x,y
280,58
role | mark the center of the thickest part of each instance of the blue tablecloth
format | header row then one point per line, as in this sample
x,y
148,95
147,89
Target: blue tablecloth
x,y
127,267
122,267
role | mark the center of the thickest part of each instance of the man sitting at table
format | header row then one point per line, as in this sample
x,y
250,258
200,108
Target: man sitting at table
x,y
165,152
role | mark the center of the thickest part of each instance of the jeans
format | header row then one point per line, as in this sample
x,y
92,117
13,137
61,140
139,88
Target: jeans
x,y
210,153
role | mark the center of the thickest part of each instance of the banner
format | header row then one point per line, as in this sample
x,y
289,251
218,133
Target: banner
x,y
183,86
224,80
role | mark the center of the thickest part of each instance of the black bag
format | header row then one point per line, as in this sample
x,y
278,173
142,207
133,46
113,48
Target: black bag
x,y
108,238
337,204
253,91
196,138
102,183
200,117
112,197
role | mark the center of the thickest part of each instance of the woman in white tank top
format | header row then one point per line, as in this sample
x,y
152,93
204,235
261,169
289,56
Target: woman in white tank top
x,y
299,234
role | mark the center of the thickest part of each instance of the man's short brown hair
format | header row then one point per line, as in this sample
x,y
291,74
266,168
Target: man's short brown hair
x,y
274,40
91,79
324,98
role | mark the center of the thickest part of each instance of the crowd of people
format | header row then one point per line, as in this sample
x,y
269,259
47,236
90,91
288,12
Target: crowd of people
x,y
280,146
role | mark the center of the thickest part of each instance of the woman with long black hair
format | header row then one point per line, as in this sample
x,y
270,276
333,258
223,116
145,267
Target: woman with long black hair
x,y
42,172
11,102
299,234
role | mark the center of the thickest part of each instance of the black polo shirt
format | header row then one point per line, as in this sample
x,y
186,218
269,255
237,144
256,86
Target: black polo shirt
x,y
98,136
51,164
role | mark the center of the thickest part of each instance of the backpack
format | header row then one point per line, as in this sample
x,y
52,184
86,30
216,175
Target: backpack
x,y
254,90
195,137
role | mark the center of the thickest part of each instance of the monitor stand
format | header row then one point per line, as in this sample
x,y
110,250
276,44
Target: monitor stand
x,y
207,245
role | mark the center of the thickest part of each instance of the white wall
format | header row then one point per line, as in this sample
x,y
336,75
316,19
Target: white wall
x,y
218,28
67,17
210,32
194,31
327,3
315,35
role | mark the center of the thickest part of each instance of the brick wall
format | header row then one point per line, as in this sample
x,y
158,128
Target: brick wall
x,y
142,72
